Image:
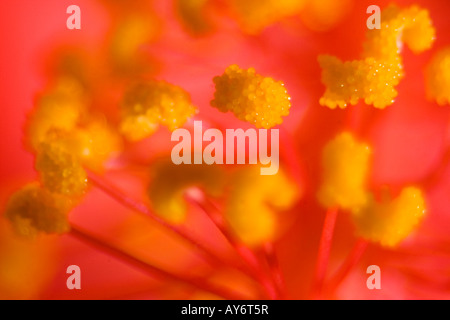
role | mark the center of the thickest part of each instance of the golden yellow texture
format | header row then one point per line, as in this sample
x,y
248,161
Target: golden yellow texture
x,y
391,221
438,77
146,105
259,100
93,143
345,163
170,182
61,118
60,108
253,203
374,77
34,209
60,171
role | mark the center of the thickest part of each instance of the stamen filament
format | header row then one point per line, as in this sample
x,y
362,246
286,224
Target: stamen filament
x,y
247,255
324,251
274,266
139,207
350,262
146,267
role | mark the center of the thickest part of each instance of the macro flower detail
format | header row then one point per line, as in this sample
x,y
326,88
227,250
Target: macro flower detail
x,y
259,100
390,221
170,182
60,171
146,105
61,117
253,203
61,108
147,167
94,143
374,77
64,137
34,209
346,166
345,163
438,77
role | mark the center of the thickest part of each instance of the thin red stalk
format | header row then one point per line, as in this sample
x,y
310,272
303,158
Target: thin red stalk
x,y
347,266
154,271
269,252
324,251
244,252
143,209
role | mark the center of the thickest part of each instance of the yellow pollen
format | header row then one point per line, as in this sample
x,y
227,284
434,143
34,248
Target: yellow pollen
x,y
391,221
438,77
94,143
170,182
374,77
345,165
259,100
253,202
149,104
33,209
60,171
61,108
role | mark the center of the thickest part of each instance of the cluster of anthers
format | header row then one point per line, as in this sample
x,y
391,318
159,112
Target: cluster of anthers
x,y
346,164
373,78
68,139
65,139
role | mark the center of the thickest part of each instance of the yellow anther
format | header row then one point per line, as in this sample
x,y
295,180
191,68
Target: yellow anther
x,y
368,79
345,165
253,202
94,143
374,77
60,170
61,109
170,182
259,100
61,118
389,222
149,104
34,209
91,144
255,15
438,77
